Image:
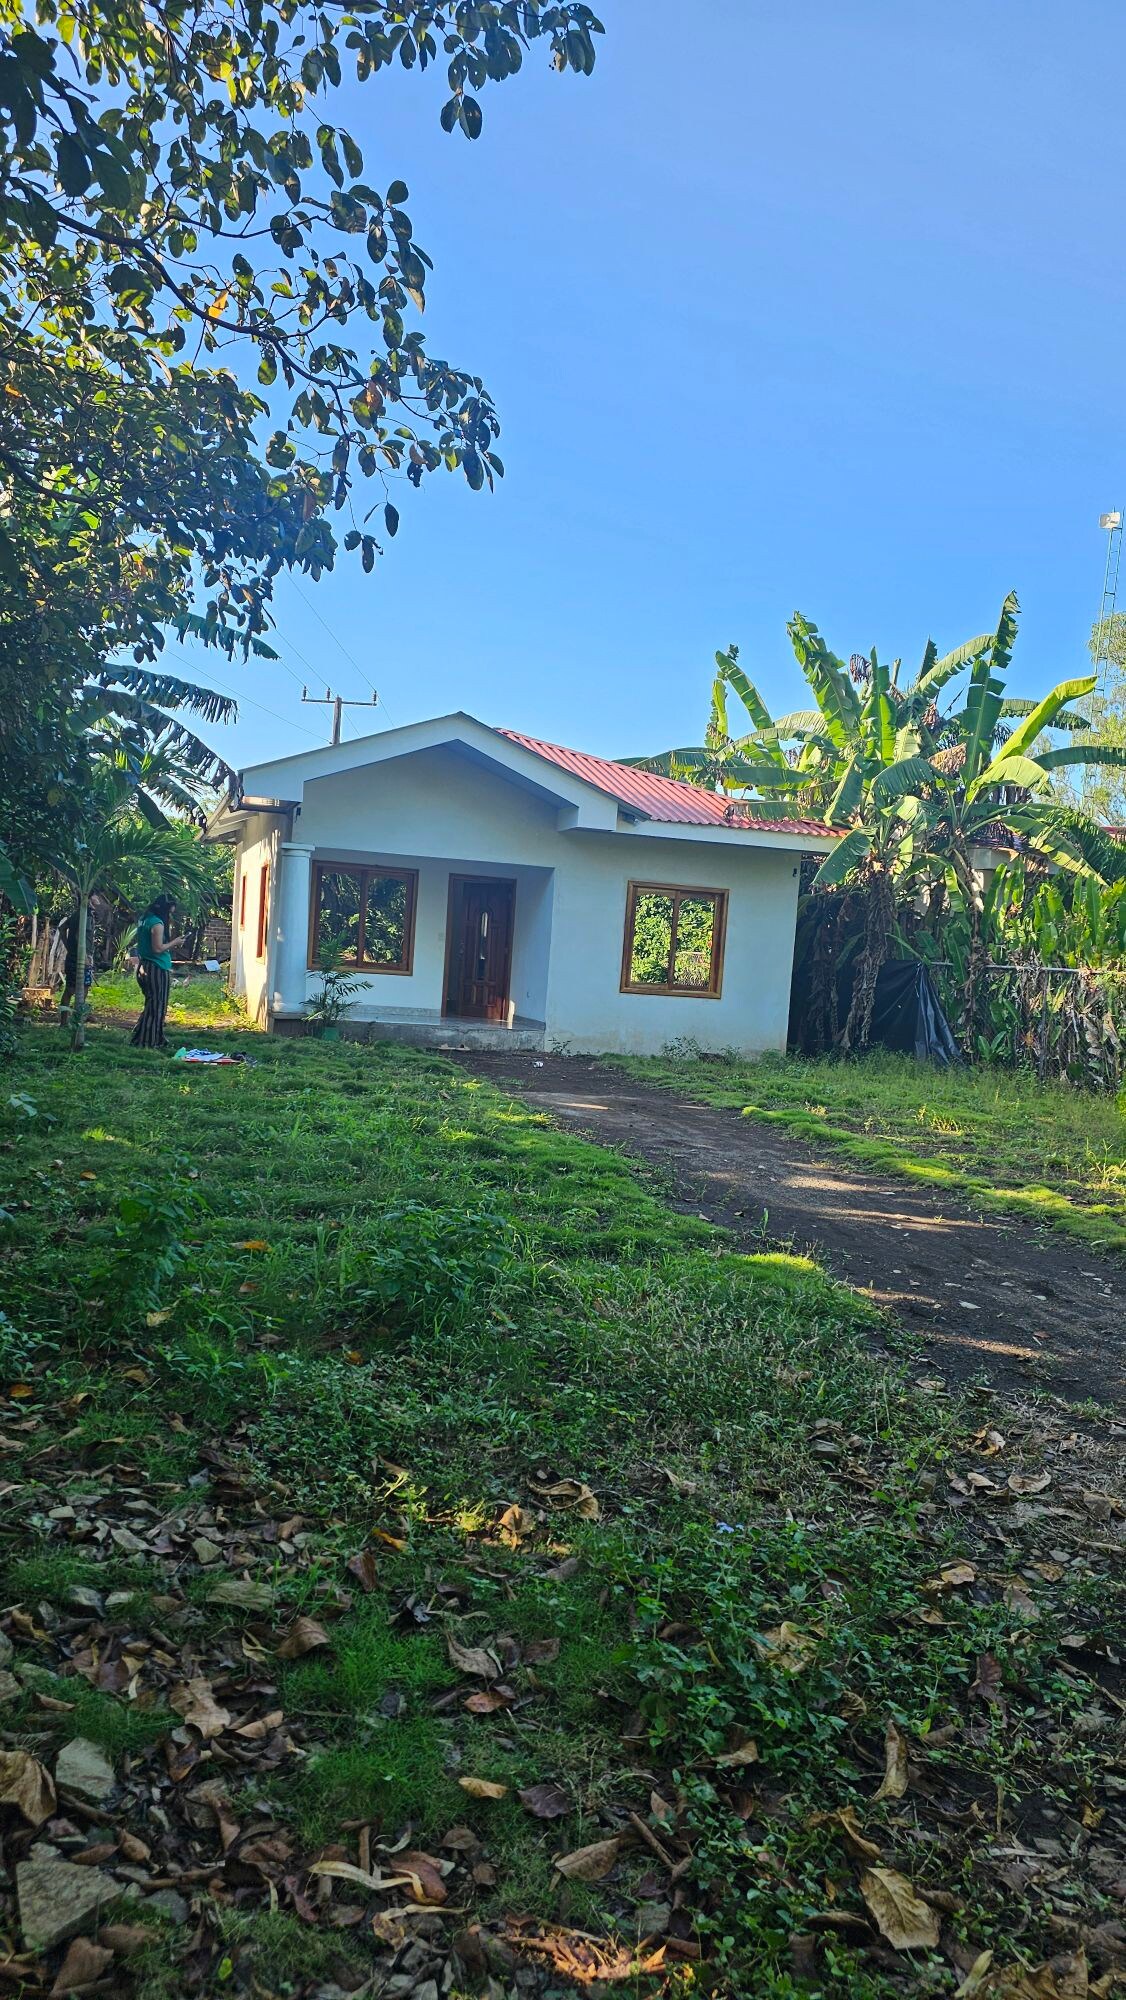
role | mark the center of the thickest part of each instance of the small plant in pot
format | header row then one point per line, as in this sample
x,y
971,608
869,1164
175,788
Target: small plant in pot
x,y
338,986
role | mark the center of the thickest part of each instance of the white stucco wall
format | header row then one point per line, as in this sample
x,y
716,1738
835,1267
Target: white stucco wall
x,y
441,813
250,975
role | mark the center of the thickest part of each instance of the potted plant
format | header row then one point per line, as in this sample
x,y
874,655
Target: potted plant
x,y
338,985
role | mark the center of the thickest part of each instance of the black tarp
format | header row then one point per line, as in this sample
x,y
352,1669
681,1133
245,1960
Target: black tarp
x,y
908,1016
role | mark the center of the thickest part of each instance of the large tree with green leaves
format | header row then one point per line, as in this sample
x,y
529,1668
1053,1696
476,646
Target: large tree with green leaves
x,y
181,218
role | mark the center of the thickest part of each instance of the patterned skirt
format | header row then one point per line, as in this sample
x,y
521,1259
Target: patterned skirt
x,y
155,982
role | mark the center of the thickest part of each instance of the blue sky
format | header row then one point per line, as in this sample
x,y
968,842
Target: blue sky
x,y
782,309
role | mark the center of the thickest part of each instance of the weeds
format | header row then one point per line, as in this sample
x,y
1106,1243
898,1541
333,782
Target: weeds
x,y
394,1314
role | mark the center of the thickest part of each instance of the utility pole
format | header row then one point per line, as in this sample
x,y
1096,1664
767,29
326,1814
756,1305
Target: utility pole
x,y
1104,630
338,704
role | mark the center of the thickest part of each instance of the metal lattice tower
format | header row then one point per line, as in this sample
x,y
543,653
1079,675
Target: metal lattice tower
x,y
1112,524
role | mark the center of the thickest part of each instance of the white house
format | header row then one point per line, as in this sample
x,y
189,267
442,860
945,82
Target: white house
x,y
494,889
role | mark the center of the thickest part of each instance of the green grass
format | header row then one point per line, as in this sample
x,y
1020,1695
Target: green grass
x,y
392,1304
200,1001
1049,1152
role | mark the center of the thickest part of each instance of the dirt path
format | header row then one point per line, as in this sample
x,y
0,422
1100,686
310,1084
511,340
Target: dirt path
x,y
990,1296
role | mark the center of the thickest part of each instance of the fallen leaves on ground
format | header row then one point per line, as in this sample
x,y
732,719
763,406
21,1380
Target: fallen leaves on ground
x,y
305,1635
895,1778
571,1494
901,1916
26,1785
483,1788
195,1701
473,1659
589,1864
744,1753
545,1801
786,1647
585,1959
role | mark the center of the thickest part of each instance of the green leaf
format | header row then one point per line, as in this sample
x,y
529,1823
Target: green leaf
x,y
397,194
1043,714
898,781
391,517
73,166
847,856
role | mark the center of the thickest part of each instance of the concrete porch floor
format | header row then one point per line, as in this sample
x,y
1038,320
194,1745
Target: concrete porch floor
x,y
445,1032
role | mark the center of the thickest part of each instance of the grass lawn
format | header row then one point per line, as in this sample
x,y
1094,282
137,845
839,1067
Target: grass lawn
x,y
393,1484
199,1001
1048,1151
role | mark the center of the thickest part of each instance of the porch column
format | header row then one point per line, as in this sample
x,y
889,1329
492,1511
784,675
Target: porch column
x,y
291,926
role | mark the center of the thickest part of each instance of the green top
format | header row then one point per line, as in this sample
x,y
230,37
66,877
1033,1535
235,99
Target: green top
x,y
145,952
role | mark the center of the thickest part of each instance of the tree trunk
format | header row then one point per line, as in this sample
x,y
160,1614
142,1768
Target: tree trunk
x,y
879,916
78,1037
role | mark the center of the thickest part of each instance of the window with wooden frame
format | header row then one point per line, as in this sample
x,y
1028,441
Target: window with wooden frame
x,y
263,905
674,940
242,901
369,912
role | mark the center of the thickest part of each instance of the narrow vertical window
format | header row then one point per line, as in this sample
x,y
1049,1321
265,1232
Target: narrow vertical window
x,y
263,901
673,940
242,900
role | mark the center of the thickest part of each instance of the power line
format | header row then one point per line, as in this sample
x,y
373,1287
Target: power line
x,y
248,698
366,678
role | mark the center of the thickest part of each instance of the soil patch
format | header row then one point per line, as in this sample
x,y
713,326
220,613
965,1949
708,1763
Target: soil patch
x,y
990,1296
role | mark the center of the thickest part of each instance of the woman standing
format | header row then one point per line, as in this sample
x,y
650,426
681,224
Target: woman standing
x,y
154,973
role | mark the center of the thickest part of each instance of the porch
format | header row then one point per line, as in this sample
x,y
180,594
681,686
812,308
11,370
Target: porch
x,y
426,1030
440,952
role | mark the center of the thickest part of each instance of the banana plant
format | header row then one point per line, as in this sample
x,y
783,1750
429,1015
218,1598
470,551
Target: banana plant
x,y
726,763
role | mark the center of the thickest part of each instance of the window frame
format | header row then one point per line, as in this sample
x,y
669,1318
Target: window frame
x,y
680,892
263,909
242,899
366,872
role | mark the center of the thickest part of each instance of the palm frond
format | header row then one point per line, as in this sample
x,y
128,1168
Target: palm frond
x,y
168,691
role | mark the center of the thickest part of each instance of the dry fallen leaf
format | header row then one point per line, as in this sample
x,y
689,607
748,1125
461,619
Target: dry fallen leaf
x,y
541,1652
26,1785
975,1977
426,1884
483,1788
953,1575
545,1801
901,1916
1062,1978
252,1243
786,1647
572,1494
82,1967
855,1837
987,1683
304,1636
346,1871
515,1524
362,1567
473,1660
1029,1482
747,1753
488,1701
895,1780
195,1701
589,1864
241,1591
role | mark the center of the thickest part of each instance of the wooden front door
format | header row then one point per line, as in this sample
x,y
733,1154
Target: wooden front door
x,y
479,949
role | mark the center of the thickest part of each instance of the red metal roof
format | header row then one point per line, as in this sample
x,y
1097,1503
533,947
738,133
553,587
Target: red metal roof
x,y
666,799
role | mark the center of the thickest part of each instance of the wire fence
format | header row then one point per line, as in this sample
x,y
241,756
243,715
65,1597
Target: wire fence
x,y
1061,1020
